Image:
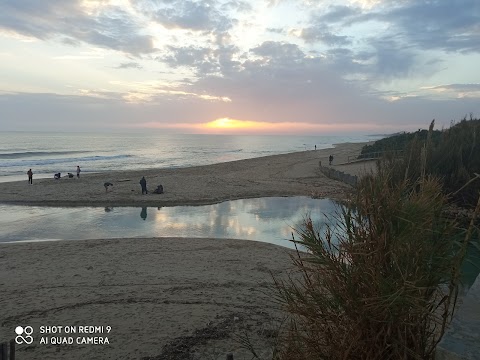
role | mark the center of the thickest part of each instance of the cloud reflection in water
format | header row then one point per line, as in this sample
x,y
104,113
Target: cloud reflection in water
x,y
263,219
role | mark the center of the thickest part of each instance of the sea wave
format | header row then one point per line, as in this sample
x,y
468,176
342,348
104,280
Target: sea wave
x,y
24,154
41,162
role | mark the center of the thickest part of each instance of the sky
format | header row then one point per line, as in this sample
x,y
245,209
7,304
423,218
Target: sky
x,y
238,66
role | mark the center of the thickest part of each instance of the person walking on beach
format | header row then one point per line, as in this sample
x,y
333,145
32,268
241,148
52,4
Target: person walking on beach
x,y
78,171
315,147
330,160
143,183
30,176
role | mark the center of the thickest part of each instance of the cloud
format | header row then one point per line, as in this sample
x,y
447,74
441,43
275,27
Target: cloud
x,y
391,39
451,26
330,65
202,60
190,14
448,25
314,34
129,65
97,111
190,56
391,60
456,90
279,52
321,26
237,5
337,14
457,87
306,91
109,26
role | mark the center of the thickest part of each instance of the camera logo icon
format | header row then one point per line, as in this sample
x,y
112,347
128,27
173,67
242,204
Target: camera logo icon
x,y
24,335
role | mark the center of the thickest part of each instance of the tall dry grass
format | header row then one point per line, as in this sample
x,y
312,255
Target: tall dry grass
x,y
381,284
453,156
382,281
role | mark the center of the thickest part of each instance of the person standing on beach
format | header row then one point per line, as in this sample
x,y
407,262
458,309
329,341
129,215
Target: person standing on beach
x,y
30,176
78,171
330,159
143,183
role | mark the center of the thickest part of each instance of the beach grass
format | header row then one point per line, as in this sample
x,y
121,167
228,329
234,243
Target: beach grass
x,y
382,281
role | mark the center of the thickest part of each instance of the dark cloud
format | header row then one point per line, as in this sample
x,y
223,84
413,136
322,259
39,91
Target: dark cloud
x,y
336,14
391,60
279,52
409,29
237,5
189,56
129,65
206,15
202,60
458,87
347,61
322,24
315,34
449,25
112,28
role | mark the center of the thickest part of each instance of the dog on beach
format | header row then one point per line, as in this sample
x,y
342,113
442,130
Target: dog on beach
x,y
107,184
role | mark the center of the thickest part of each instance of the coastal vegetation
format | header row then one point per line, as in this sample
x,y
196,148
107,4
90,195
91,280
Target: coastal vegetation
x,y
453,157
381,282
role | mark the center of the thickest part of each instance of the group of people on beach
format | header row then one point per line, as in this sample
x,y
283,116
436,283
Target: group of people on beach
x,y
55,176
143,182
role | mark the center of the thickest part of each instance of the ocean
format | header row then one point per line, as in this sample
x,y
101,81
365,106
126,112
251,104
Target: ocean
x,y
49,153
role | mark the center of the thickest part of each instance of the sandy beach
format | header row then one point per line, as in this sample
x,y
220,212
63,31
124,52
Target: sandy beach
x,y
167,298
164,298
278,175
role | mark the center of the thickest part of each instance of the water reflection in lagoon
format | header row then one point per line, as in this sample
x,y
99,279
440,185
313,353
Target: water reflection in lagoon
x,y
263,219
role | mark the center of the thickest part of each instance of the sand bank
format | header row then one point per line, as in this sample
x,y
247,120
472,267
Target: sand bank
x,y
278,175
166,298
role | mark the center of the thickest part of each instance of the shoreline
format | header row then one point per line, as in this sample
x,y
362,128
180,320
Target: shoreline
x,y
291,174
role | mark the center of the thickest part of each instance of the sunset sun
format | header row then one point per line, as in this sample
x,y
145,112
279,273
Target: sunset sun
x,y
224,123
